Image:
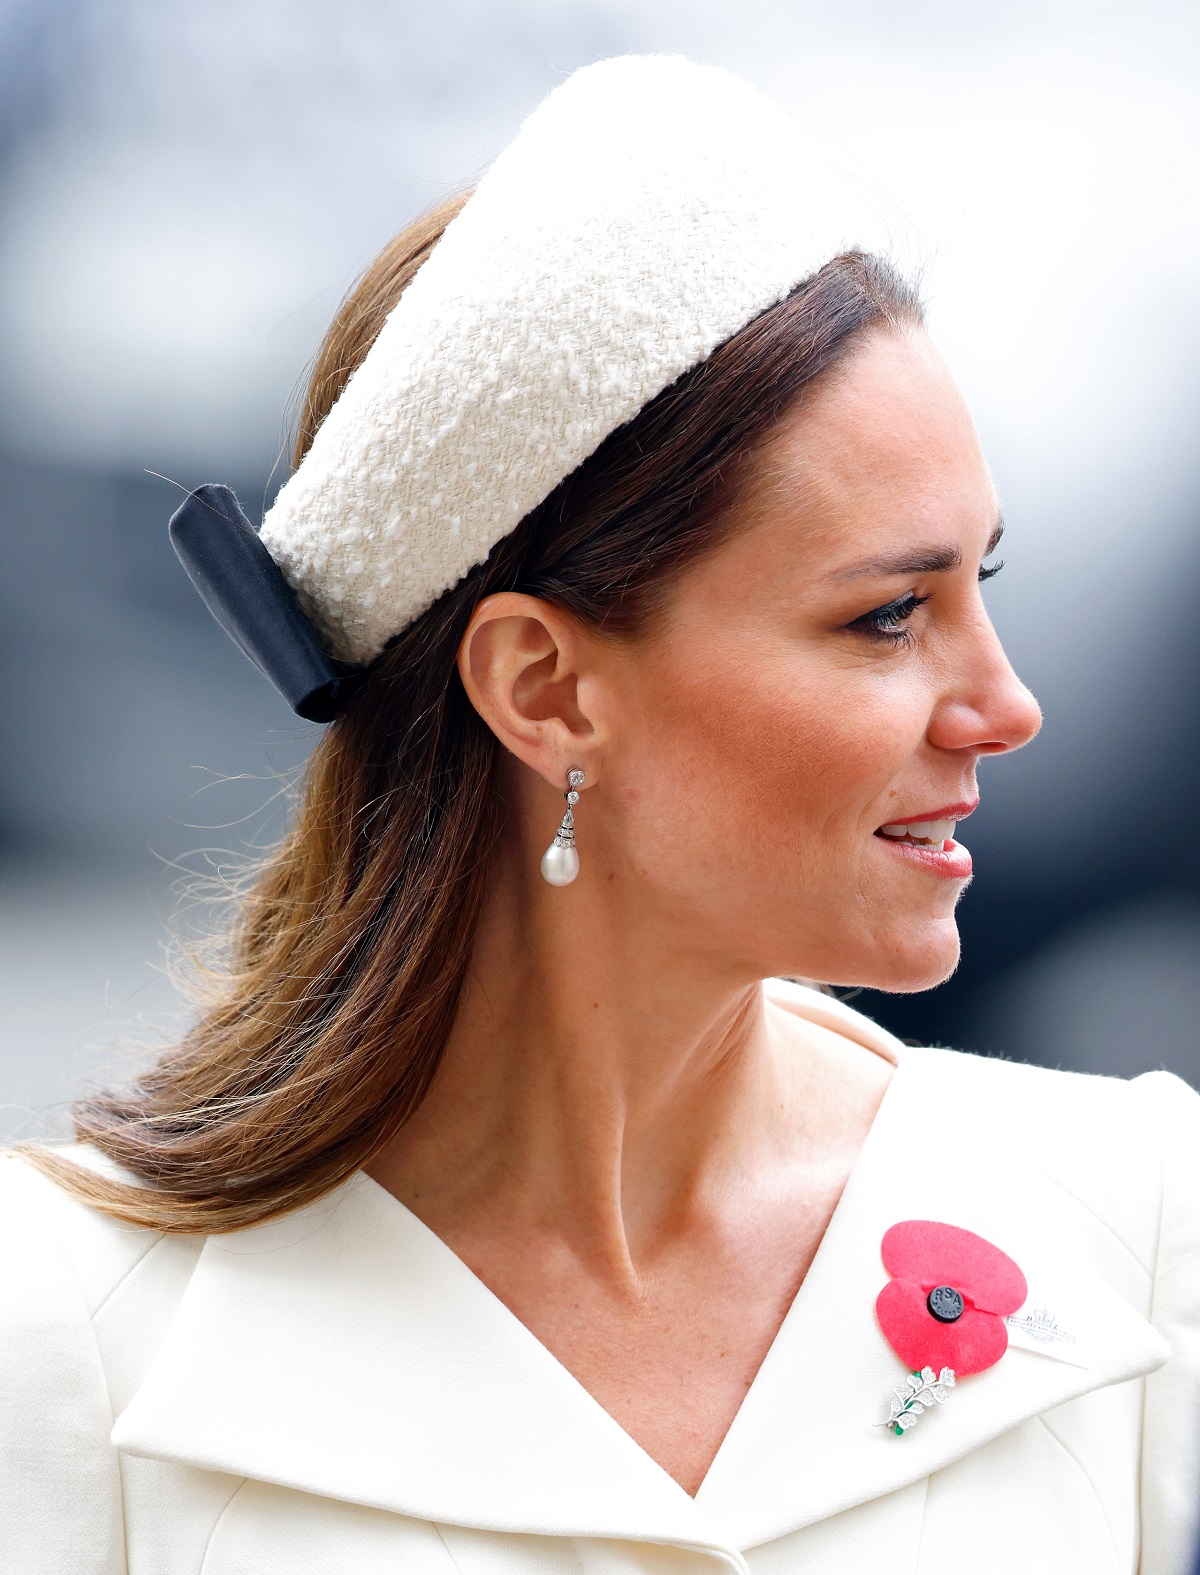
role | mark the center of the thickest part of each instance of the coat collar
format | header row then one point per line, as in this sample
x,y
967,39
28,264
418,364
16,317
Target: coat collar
x,y
345,1351
803,1446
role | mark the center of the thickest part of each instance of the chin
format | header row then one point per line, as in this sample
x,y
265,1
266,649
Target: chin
x,y
899,965
909,974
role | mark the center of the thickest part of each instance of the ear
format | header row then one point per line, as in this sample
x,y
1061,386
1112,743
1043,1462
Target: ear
x,y
529,670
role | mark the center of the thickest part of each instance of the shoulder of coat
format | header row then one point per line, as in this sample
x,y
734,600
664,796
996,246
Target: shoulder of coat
x,y
1047,1094
40,1221
1115,1145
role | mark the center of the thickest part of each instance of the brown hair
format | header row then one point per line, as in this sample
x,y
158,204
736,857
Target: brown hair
x,y
348,955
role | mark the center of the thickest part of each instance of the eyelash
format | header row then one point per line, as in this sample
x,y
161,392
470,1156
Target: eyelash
x,y
883,623
886,622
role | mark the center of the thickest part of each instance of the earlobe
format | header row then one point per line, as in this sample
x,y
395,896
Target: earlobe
x,y
520,664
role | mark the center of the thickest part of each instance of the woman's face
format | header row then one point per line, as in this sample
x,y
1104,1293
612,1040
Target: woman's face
x,y
825,673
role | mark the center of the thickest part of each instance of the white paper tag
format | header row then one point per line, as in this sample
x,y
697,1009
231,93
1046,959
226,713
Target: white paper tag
x,y
1042,1327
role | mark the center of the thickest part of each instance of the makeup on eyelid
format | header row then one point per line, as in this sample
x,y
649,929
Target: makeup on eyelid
x,y
887,621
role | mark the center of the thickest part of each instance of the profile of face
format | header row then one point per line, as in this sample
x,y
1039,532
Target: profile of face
x,y
826,672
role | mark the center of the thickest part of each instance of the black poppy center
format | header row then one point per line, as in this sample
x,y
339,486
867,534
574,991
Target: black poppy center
x,y
945,1303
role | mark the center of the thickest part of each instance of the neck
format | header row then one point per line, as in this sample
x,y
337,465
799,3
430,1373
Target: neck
x,y
603,1077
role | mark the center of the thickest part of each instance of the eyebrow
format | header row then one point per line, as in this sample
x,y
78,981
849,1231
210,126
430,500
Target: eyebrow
x,y
926,560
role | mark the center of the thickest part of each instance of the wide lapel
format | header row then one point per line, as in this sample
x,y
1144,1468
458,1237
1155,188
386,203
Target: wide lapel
x,y
346,1351
804,1446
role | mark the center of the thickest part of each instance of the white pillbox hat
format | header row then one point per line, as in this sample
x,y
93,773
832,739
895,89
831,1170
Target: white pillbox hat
x,y
647,210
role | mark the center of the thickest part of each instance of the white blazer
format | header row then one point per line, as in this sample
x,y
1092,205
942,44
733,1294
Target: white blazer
x,y
336,1392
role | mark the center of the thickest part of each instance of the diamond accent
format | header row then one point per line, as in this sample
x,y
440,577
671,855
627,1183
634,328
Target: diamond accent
x,y
919,1392
565,836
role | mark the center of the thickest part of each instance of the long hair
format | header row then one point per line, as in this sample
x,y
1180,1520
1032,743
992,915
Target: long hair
x,y
347,957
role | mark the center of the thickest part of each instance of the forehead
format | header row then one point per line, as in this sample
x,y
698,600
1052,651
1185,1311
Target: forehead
x,y
881,449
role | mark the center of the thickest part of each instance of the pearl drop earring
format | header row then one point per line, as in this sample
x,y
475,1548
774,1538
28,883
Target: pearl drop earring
x,y
560,862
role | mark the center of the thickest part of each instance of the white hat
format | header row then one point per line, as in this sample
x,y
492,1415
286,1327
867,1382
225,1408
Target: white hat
x,y
647,210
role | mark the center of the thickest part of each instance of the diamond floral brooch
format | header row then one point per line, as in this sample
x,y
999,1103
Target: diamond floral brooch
x,y
942,1311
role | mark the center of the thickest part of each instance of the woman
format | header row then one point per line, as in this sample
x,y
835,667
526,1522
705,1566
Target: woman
x,y
496,1216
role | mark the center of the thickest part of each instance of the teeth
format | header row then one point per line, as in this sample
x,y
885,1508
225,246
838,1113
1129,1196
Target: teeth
x,y
936,832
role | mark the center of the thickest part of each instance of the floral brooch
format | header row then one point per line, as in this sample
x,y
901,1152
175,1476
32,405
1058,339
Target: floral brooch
x,y
943,1310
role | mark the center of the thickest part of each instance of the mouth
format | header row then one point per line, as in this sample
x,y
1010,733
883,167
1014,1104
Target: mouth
x,y
931,830
920,833
929,840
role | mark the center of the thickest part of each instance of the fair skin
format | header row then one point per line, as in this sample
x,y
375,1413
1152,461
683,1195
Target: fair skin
x,y
624,1142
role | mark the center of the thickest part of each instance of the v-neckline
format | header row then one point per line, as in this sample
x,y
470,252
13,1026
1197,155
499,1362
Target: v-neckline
x,y
344,1350
836,1017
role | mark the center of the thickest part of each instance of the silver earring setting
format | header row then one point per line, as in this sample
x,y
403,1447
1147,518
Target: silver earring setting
x,y
560,862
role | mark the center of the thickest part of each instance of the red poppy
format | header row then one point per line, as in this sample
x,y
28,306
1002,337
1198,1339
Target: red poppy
x,y
949,1296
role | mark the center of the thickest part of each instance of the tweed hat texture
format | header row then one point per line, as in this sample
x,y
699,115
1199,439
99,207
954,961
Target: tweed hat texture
x,y
646,210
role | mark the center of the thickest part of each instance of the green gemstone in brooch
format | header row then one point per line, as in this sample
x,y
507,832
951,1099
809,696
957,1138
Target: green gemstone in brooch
x,y
920,1391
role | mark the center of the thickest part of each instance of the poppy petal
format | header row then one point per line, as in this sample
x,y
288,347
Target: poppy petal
x,y
929,1253
976,1341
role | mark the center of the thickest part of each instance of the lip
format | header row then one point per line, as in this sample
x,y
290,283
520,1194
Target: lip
x,y
958,811
951,861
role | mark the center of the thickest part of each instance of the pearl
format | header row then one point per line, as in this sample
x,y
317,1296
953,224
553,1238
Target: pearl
x,y
559,865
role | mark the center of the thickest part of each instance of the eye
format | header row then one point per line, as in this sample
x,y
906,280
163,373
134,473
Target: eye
x,y
887,622
990,570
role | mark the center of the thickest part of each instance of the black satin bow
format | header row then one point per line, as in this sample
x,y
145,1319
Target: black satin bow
x,y
244,590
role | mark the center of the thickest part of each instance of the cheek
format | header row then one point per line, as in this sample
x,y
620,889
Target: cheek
x,y
745,750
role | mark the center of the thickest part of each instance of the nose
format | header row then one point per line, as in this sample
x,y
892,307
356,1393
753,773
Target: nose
x,y
986,708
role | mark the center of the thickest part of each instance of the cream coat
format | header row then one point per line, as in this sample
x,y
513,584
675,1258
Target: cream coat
x,y
336,1392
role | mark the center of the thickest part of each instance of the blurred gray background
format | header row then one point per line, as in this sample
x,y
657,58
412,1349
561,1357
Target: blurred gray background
x,y
187,191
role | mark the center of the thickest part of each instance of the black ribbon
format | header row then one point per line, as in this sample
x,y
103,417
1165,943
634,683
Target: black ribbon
x,y
244,590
